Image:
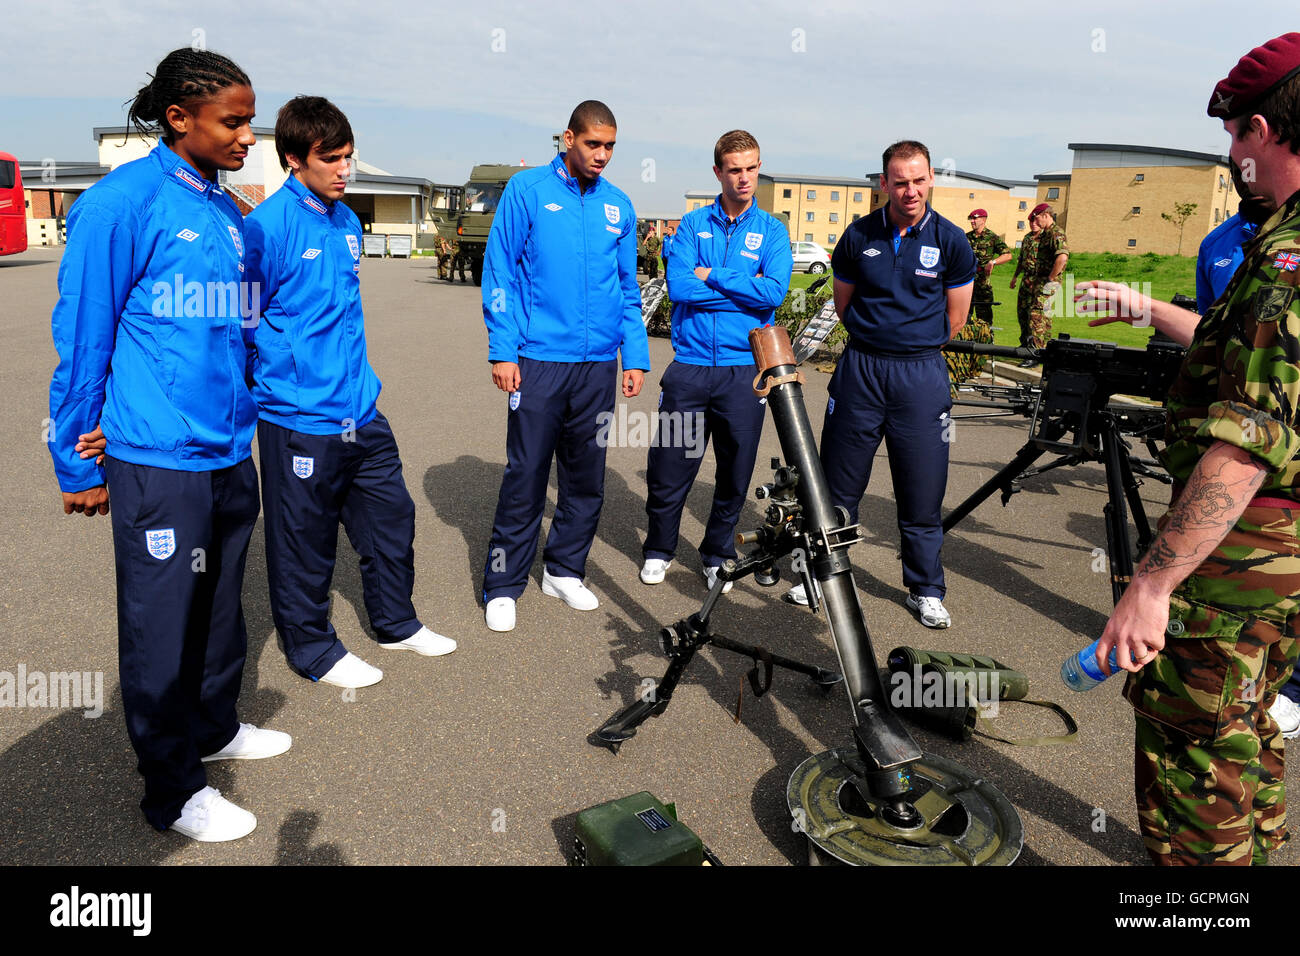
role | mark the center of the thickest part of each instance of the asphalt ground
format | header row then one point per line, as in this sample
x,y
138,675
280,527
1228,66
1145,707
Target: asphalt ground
x,y
482,757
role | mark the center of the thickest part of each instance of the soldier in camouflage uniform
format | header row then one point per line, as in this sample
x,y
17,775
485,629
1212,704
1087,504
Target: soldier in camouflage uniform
x,y
444,257
989,251
1050,258
458,261
652,246
1026,269
1208,625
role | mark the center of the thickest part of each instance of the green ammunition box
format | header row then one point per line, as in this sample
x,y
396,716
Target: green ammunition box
x,y
635,831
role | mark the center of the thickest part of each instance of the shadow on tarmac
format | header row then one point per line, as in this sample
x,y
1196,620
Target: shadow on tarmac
x,y
70,793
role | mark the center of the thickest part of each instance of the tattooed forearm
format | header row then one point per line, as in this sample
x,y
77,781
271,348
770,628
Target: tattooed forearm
x,y
1217,492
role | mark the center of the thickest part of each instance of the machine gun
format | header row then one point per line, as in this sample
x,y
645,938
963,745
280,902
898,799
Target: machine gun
x,y
879,800
1075,415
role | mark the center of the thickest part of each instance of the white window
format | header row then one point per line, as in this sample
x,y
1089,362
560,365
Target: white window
x,y
808,236
812,194
1053,193
835,217
835,195
857,197
1138,178
810,217
830,238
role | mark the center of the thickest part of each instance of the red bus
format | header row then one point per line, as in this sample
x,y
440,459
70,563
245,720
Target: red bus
x,y
13,208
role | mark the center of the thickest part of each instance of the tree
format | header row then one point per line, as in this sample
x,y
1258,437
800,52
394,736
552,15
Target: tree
x,y
1182,212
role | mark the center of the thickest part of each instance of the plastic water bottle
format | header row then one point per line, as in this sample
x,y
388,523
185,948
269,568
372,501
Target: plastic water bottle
x,y
1080,672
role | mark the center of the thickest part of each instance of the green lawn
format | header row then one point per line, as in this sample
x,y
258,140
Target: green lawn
x,y
1158,276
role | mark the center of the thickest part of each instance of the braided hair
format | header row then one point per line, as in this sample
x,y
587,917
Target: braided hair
x,y
184,77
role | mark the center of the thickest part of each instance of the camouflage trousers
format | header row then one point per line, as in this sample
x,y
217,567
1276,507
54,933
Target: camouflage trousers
x,y
1024,307
1208,770
444,266
1040,314
977,329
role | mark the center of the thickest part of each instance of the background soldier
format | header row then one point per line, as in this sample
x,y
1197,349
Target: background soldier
x,y
1049,262
458,260
652,247
990,250
445,257
1026,266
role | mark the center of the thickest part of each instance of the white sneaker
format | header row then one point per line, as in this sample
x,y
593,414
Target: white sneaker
x,y
1287,715
930,609
798,595
424,642
711,577
352,671
210,818
500,614
253,743
569,590
653,571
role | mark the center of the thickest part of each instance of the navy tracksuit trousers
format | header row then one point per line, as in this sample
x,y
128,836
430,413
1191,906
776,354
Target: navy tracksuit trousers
x,y
179,542
555,413
905,400
309,484
698,403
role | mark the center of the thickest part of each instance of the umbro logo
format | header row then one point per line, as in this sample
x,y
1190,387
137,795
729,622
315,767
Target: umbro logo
x,y
189,235
705,235
871,252
553,207
1223,262
311,254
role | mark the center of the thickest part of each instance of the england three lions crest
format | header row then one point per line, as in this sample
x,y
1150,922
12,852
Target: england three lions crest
x,y
161,543
929,256
613,214
354,247
303,467
753,240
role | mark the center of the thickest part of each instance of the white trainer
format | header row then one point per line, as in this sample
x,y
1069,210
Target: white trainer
x,y
253,743
352,671
653,571
210,818
1287,715
799,595
711,577
569,590
930,609
500,614
424,642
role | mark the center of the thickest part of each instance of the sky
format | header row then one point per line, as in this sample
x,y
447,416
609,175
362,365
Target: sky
x,y
432,89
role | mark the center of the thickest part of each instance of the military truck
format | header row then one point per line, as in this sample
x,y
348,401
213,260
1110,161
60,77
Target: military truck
x,y
469,217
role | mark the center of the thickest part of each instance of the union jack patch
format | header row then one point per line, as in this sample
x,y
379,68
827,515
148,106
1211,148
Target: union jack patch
x,y
1287,261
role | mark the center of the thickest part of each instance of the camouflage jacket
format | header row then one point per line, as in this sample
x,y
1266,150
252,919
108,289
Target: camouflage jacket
x,y
1051,243
1027,260
1240,380
987,246
652,244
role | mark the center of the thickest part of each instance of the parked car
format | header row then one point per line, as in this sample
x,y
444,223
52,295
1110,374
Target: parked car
x,y
810,257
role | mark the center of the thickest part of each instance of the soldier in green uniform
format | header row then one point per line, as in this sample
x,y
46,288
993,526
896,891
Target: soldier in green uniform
x,y
652,246
1207,627
989,251
1050,258
458,261
1026,269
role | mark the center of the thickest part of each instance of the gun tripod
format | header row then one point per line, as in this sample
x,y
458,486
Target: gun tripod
x,y
680,641
1075,401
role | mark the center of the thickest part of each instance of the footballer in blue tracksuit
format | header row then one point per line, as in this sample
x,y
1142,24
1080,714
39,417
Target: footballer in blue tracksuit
x,y
561,303
730,269
327,453
153,338
903,283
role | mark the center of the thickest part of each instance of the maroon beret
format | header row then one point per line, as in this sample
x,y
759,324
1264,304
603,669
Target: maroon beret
x,y
1256,75
978,213
1041,207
